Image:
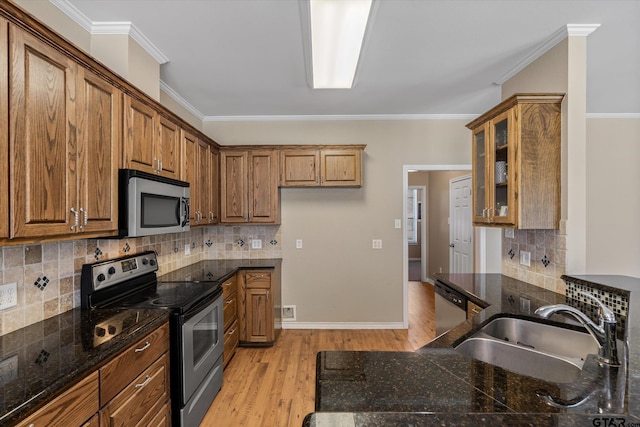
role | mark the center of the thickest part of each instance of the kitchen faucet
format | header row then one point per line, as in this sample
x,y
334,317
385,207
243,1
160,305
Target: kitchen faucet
x,y
604,333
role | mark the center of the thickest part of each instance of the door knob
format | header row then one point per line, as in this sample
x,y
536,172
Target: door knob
x,y
451,245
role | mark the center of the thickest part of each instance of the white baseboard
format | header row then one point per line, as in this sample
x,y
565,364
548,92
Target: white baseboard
x,y
342,325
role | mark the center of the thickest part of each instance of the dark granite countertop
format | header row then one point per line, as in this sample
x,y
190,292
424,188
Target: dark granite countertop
x,y
437,385
216,270
40,361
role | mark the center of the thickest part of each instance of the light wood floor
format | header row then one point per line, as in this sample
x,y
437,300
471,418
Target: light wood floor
x,y
275,386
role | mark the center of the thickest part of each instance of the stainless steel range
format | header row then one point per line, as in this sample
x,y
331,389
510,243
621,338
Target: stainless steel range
x,y
196,324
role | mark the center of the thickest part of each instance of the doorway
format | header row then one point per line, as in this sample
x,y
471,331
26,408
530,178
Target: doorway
x,y
438,221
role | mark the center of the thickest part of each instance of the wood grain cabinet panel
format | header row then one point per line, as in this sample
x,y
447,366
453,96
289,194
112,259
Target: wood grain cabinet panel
x,y
321,166
201,170
65,143
169,148
4,124
121,371
189,172
249,190
140,124
516,163
43,141
74,407
259,306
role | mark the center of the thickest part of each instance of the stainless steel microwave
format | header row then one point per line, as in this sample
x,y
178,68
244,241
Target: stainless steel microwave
x,y
151,204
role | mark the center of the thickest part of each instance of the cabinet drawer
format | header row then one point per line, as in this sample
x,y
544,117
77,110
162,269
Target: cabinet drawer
x,y
230,342
230,310
72,408
228,286
146,391
258,279
122,370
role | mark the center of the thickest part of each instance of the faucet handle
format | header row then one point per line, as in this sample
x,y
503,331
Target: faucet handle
x,y
605,312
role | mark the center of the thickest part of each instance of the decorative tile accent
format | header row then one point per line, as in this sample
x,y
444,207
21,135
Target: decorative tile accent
x,y
126,248
97,254
209,275
273,242
545,261
175,250
208,243
240,243
43,357
511,253
617,302
41,282
193,245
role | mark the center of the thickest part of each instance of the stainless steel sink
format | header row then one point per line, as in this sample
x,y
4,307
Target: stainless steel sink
x,y
521,360
531,348
542,337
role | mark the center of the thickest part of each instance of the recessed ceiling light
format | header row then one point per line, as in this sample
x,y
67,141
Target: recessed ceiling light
x,y
337,31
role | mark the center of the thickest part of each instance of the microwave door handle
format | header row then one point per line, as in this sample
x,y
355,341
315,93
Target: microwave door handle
x,y
185,221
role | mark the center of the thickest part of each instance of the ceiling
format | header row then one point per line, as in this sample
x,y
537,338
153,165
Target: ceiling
x,y
421,57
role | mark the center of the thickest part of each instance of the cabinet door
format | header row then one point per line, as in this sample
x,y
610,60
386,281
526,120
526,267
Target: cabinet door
x,y
214,190
259,316
189,172
299,168
480,139
99,141
341,168
204,182
4,124
168,149
502,202
233,186
42,132
140,135
264,200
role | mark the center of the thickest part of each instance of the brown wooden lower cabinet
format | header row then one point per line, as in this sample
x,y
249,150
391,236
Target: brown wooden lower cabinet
x,y
259,306
72,408
93,422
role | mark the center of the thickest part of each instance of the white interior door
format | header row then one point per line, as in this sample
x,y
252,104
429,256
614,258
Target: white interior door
x,y
460,226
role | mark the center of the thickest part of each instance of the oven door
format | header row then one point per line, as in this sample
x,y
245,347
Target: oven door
x,y
202,343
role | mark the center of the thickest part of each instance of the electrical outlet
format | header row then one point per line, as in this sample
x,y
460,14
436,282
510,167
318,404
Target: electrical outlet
x,y
525,258
256,244
525,305
299,244
377,244
8,295
289,313
187,250
8,370
509,233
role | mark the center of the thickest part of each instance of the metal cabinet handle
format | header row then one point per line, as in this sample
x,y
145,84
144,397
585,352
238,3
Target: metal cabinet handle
x,y
231,332
85,215
76,216
146,345
146,381
475,310
229,302
160,165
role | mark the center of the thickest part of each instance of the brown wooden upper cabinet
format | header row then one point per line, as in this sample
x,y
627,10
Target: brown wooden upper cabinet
x,y
65,133
152,142
200,170
321,167
249,186
516,163
4,124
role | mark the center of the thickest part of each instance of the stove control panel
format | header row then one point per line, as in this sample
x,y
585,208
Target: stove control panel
x,y
114,271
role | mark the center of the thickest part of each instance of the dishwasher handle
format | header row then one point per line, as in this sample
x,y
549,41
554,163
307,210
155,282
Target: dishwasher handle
x,y
450,294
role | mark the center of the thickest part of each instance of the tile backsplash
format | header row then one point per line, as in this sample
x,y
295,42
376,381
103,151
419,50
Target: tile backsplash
x,y
48,274
548,249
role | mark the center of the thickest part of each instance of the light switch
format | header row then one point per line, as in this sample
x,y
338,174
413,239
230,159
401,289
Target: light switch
x,y
256,244
398,223
508,233
525,258
299,244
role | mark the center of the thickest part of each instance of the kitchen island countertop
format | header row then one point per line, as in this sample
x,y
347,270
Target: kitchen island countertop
x,y
437,385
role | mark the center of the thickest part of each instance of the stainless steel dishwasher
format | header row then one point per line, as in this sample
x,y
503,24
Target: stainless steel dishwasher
x,y
451,307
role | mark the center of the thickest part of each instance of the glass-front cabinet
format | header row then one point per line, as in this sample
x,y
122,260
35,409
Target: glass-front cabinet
x,y
516,163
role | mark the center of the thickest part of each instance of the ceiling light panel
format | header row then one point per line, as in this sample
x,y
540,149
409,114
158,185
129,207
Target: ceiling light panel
x,y
337,31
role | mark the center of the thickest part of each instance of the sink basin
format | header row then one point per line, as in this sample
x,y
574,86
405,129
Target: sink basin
x,y
521,360
531,348
542,337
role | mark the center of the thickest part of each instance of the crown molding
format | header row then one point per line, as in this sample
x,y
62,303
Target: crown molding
x,y
562,33
127,28
180,100
354,117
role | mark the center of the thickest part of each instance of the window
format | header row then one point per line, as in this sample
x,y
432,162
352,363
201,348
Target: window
x,y
412,215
